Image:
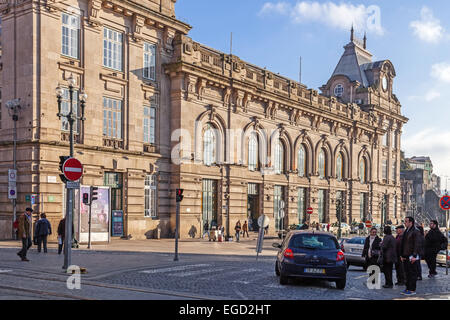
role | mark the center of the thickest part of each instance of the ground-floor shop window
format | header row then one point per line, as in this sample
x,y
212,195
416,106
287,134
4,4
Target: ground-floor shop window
x,y
150,196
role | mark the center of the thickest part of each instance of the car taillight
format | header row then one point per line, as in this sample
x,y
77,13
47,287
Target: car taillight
x,y
340,256
288,253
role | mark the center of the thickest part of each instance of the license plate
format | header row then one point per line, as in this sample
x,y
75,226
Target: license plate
x,y
314,270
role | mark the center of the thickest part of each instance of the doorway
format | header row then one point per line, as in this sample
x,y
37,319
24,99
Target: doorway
x,y
253,212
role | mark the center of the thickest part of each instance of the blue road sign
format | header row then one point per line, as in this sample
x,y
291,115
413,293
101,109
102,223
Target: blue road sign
x,y
445,202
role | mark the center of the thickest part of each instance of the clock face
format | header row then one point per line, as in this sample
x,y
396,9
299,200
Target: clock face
x,y
385,83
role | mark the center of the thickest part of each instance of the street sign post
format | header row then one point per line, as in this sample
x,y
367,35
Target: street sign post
x,y
72,169
444,203
263,222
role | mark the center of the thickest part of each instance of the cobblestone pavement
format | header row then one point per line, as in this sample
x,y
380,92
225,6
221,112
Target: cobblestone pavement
x,y
205,270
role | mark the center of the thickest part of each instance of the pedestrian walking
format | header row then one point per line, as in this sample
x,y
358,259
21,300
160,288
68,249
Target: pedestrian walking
x,y
61,234
421,252
24,233
205,230
410,249
433,244
237,228
389,256
399,270
245,230
43,230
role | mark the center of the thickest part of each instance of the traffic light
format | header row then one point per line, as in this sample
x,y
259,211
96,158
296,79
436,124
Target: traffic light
x,y
94,194
180,195
62,159
86,198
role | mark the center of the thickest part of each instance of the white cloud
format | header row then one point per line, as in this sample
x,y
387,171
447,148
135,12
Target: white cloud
x,y
432,95
341,16
432,143
429,28
441,71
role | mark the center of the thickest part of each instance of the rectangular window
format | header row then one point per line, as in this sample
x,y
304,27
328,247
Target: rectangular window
x,y
112,118
70,35
149,124
384,169
150,196
65,109
209,202
394,171
112,49
301,207
321,205
149,71
385,139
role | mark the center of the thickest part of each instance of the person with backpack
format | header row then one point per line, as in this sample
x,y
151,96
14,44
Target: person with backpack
x,y
43,230
434,242
24,233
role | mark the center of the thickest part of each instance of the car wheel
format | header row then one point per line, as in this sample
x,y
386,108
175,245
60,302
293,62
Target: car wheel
x,y
277,269
283,280
340,284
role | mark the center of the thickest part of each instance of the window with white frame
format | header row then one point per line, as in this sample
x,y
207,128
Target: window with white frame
x,y
253,152
150,196
385,139
321,206
149,124
301,161
394,171
279,157
70,35
322,164
112,118
362,170
339,90
209,143
65,109
149,71
339,167
384,170
112,49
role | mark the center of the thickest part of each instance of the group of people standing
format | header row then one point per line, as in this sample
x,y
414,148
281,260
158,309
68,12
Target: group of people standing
x,y
42,230
405,251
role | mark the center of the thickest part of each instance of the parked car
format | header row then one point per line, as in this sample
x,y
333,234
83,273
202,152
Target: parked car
x,y
311,254
353,249
345,229
440,259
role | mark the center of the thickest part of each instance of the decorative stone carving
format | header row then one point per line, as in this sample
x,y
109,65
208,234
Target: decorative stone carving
x,y
94,8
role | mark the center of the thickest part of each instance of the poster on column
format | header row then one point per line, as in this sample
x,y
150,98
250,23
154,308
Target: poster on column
x,y
100,216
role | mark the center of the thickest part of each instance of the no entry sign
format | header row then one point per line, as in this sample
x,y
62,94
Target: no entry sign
x,y
444,202
72,169
309,211
368,224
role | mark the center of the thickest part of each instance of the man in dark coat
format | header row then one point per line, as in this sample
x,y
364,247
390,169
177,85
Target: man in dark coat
x,y
43,230
61,234
389,254
432,247
410,250
399,270
24,233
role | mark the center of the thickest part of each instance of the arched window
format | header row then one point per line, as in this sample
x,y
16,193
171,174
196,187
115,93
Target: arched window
x,y
339,167
209,143
322,164
253,152
301,163
362,170
279,157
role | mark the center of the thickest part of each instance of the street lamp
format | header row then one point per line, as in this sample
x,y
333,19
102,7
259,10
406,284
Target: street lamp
x,y
71,116
339,212
14,109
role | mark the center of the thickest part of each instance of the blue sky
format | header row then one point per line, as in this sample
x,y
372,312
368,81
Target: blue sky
x,y
414,35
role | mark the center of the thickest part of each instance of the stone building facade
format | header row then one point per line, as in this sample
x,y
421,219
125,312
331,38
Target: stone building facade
x,y
165,112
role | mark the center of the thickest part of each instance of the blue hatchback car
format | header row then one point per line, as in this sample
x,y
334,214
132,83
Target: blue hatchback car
x,y
311,254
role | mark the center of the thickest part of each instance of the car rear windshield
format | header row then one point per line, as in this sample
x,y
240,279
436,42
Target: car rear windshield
x,y
314,241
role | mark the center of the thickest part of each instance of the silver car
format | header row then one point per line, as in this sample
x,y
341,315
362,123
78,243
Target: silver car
x,y
353,249
440,259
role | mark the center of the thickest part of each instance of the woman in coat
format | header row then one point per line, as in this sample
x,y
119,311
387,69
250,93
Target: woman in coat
x,y
389,255
372,248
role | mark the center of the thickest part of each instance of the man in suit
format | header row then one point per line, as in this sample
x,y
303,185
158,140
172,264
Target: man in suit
x,y
24,233
410,249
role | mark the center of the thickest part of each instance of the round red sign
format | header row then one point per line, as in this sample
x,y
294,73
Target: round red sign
x,y
444,202
72,169
309,211
369,224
